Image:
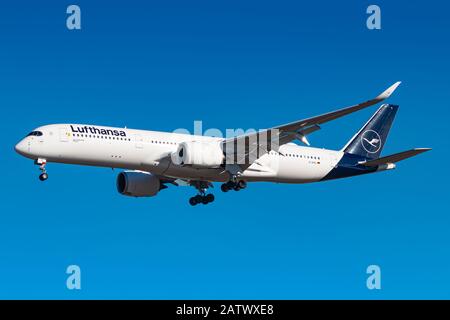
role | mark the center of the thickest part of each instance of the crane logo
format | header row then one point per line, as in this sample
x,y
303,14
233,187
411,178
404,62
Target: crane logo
x,y
371,141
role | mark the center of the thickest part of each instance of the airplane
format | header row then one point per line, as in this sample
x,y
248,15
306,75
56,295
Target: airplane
x,y
154,160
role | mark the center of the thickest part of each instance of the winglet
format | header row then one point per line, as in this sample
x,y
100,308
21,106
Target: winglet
x,y
387,93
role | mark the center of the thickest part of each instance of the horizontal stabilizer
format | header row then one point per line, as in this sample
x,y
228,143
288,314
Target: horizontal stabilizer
x,y
394,157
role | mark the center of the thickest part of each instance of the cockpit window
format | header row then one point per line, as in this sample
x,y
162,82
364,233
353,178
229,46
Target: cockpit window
x,y
35,133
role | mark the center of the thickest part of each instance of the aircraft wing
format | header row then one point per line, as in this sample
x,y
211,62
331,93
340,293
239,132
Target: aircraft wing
x,y
258,143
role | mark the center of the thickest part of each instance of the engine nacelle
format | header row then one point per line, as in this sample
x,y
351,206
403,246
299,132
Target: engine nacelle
x,y
198,154
138,184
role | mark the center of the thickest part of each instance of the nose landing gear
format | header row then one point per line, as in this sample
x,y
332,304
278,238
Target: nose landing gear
x,y
42,162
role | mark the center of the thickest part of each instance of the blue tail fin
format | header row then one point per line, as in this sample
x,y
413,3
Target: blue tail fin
x,y
370,139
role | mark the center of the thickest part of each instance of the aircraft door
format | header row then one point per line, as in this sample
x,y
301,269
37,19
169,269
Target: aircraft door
x,y
63,135
139,141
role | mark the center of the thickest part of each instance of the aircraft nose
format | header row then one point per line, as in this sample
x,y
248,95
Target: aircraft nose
x,y
21,147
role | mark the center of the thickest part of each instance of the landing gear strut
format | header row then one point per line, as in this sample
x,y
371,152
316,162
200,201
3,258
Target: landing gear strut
x,y
235,185
42,162
201,197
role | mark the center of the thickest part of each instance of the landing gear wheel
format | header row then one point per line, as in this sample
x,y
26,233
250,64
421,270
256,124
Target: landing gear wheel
x,y
236,186
192,201
209,197
242,184
43,176
230,185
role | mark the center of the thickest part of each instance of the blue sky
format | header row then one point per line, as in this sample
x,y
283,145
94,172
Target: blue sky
x,y
232,64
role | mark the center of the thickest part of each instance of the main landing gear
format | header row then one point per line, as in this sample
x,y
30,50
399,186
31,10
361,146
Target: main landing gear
x,y
42,162
235,185
202,197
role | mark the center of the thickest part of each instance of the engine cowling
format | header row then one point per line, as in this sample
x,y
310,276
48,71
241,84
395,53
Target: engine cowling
x,y
198,154
138,184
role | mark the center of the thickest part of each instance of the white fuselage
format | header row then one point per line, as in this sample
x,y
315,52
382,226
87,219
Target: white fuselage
x,y
150,151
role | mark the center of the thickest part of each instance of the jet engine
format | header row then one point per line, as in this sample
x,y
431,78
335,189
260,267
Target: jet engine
x,y
198,154
138,184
